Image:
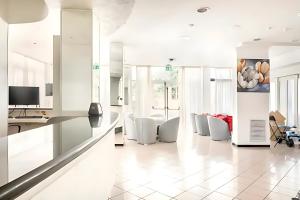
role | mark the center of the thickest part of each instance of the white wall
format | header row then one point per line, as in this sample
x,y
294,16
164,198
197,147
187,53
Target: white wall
x,y
26,71
248,105
76,59
3,79
3,103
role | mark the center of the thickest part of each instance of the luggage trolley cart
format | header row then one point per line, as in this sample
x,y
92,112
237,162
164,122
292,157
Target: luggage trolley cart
x,y
285,132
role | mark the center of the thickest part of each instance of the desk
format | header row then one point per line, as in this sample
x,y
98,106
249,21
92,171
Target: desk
x,y
76,153
27,120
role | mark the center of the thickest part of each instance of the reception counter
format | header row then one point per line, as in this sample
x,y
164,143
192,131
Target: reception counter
x,y
72,159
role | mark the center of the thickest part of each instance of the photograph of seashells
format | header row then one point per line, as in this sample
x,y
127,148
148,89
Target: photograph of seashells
x,y
253,75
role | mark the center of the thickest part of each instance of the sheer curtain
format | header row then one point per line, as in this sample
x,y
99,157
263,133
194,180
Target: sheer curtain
x,y
193,97
143,91
223,91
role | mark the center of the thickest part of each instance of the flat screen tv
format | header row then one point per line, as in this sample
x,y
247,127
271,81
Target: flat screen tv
x,y
24,95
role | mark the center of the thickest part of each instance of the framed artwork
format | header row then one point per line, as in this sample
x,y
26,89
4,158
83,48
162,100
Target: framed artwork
x,y
253,75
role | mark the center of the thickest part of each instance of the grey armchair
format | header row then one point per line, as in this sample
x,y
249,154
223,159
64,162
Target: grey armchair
x,y
218,129
202,125
168,131
193,122
146,130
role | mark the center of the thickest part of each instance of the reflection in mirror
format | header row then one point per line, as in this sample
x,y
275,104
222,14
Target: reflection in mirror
x,y
95,121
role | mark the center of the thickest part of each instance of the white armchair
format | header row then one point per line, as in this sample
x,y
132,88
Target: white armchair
x,y
130,128
202,125
168,131
146,130
193,115
218,129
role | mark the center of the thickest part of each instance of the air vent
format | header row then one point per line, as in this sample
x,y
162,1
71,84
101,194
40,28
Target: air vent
x,y
258,131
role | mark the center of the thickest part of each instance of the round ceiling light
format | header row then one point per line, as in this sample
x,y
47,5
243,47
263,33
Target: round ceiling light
x,y
203,9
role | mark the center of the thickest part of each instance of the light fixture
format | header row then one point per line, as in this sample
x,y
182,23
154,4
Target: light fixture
x,y
191,25
298,14
256,39
203,9
296,40
185,37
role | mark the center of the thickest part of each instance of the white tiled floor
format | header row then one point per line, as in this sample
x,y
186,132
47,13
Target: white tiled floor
x,y
197,168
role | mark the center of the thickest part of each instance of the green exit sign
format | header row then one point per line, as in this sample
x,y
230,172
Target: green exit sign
x,y
96,66
169,67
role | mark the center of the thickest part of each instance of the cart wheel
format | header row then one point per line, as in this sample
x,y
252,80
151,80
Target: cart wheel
x,y
290,142
279,140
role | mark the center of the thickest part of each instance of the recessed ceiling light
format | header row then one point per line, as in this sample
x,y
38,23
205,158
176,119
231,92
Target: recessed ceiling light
x,y
185,37
270,28
237,26
296,40
285,29
256,39
191,25
203,9
34,43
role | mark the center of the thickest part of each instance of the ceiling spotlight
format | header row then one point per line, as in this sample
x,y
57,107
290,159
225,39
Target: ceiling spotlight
x,y
203,9
256,39
270,28
34,43
191,25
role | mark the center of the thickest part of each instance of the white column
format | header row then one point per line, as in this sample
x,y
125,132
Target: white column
x,y
76,59
56,76
3,79
250,105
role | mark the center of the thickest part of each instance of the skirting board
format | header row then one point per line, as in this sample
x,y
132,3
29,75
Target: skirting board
x,y
251,145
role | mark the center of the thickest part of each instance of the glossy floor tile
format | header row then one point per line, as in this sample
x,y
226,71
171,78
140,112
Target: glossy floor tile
x,y
198,168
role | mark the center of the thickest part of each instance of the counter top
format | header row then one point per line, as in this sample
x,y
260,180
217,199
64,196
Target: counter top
x,y
29,157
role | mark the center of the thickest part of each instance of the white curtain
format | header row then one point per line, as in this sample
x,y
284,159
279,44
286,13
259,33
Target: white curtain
x,y
223,91
193,96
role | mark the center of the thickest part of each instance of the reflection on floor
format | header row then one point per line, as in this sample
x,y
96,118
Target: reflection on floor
x,y
198,168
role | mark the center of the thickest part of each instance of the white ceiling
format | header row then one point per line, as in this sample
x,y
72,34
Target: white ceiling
x,y
157,30
154,31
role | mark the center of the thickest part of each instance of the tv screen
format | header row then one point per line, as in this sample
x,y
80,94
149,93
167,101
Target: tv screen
x,y
24,95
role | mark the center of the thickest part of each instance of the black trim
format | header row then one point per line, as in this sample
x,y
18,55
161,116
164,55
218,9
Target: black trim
x,y
249,145
22,184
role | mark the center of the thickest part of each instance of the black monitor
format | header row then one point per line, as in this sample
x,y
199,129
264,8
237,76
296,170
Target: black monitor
x,y
24,95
